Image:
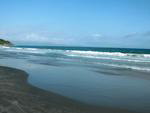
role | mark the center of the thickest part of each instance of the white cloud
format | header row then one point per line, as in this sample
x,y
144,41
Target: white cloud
x,y
137,35
2,33
34,37
39,37
133,34
97,35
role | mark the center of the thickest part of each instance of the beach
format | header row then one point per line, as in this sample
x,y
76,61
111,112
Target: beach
x,y
17,96
75,56
82,80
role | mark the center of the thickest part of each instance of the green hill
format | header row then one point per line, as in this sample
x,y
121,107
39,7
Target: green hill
x,y
5,43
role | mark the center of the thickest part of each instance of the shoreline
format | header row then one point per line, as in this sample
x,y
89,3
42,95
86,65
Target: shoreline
x,y
18,96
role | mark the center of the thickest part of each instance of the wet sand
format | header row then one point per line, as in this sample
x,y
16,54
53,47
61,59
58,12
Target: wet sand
x,y
17,96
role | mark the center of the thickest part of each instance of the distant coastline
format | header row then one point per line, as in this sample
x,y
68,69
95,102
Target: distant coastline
x,y
5,43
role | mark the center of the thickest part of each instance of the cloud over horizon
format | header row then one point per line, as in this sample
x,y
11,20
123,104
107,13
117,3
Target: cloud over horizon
x,y
45,37
137,34
75,22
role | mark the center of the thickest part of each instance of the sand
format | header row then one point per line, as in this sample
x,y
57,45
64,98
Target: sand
x,y
18,96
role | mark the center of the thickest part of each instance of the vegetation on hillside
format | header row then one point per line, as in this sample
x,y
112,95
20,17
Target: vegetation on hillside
x,y
5,42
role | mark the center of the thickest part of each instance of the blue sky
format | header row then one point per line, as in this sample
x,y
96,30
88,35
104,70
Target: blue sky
x,y
103,23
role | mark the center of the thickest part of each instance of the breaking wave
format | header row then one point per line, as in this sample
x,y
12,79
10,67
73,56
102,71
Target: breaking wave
x,y
127,67
87,54
132,61
119,54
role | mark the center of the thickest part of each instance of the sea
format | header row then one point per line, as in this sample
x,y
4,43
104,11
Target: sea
x,y
109,77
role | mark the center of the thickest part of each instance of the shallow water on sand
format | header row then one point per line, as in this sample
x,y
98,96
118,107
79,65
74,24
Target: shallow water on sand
x,y
84,81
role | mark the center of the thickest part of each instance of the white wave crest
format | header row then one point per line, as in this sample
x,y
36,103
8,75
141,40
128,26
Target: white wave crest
x,y
127,67
3,47
31,50
117,56
98,53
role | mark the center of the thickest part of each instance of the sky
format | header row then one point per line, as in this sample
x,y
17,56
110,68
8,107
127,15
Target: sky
x,y
101,23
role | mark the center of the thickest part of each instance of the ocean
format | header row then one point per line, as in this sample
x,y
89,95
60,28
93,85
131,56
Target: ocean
x,y
112,77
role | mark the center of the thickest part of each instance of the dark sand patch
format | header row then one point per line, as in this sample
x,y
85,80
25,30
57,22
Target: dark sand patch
x,y
17,96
